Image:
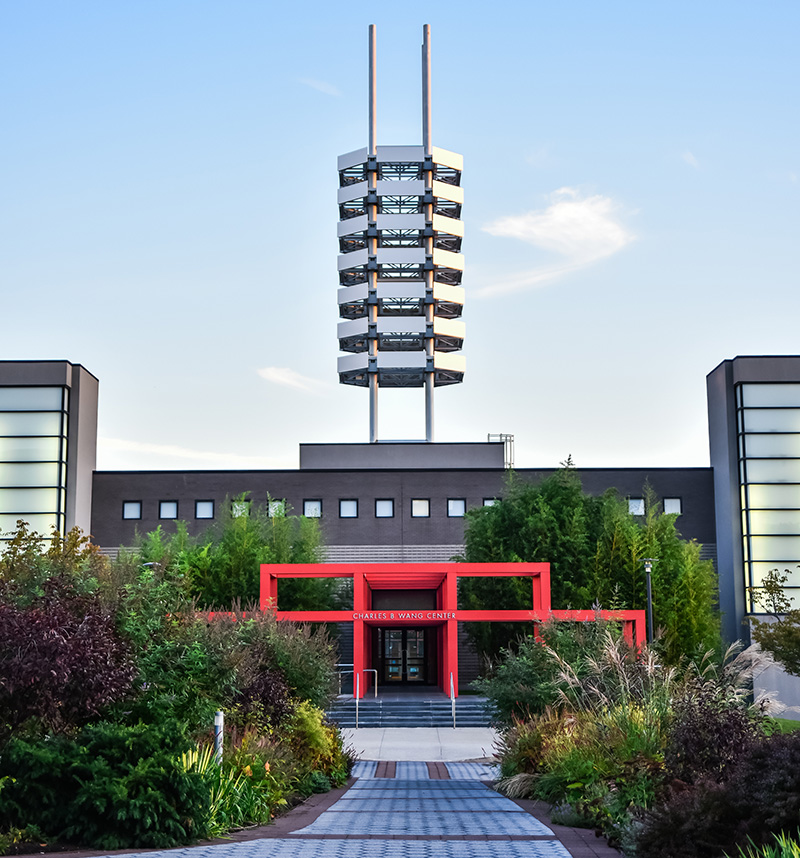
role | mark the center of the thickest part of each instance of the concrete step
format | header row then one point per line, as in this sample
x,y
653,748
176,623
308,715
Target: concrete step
x,y
470,712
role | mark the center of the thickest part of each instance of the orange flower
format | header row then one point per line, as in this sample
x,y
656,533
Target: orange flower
x,y
266,767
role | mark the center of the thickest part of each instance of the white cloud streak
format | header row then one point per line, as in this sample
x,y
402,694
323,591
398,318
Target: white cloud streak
x,y
173,451
287,377
320,86
690,159
580,229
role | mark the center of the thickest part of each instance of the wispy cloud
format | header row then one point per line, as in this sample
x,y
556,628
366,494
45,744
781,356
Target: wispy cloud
x,y
320,86
172,451
690,159
580,229
287,377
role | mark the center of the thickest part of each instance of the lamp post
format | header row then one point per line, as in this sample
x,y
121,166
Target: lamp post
x,y
648,568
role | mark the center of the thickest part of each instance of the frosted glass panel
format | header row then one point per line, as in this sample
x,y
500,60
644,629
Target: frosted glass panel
x,y
132,509
28,475
28,500
772,446
312,508
770,395
783,549
774,497
168,509
204,509
772,420
29,449
773,470
30,398
420,508
40,523
348,509
760,571
775,521
456,507
21,423
384,508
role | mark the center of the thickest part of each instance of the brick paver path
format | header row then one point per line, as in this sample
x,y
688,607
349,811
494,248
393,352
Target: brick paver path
x,y
413,810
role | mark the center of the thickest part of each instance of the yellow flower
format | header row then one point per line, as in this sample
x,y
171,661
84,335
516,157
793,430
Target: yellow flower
x,y
248,771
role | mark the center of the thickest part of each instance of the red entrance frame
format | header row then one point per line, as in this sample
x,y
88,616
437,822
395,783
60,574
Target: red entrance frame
x,y
441,577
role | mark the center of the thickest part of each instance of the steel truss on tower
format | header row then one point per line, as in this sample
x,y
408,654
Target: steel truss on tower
x,y
400,263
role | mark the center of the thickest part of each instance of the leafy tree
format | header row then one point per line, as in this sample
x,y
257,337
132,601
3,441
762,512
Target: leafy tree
x,y
550,521
595,549
223,565
781,637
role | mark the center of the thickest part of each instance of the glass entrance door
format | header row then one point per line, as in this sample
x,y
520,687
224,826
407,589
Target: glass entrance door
x,y
403,654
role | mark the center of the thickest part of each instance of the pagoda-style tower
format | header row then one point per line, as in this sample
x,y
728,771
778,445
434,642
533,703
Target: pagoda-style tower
x,y
400,265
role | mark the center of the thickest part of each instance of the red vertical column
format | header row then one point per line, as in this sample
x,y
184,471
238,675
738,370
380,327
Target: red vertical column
x,y
360,630
541,591
268,590
450,632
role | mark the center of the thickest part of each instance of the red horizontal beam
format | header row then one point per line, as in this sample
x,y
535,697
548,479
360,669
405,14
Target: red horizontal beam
x,y
348,570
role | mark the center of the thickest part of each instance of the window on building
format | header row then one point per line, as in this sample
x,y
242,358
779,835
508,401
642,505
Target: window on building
x,y
132,509
636,506
312,508
489,501
673,505
276,507
348,508
456,507
420,508
384,508
168,509
204,509
239,508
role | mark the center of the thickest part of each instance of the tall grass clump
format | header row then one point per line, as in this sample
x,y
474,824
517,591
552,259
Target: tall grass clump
x,y
598,750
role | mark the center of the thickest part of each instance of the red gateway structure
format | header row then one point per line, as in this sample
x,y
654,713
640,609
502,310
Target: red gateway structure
x,y
405,615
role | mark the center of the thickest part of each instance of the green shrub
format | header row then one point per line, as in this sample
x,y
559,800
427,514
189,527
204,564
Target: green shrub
x,y
110,787
783,847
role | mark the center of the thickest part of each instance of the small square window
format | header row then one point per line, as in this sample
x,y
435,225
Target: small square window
x,y
384,508
240,508
489,501
276,507
673,506
456,507
312,508
204,509
132,509
420,508
168,509
348,508
636,506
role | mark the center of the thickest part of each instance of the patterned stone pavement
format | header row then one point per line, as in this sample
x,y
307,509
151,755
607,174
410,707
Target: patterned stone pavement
x,y
411,810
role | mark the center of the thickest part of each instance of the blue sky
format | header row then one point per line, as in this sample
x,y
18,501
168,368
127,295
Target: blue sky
x,y
168,214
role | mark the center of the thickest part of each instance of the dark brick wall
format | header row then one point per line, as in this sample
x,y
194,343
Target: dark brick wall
x,y
111,488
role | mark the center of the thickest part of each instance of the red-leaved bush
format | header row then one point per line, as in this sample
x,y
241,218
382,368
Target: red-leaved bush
x,y
61,662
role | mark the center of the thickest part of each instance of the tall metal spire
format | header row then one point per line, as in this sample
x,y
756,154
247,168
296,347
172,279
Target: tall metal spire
x,y
400,265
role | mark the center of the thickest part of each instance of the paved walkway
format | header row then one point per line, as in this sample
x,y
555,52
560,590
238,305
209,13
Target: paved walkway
x,y
408,809
430,743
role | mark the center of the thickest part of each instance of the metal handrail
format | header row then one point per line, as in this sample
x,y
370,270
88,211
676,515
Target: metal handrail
x,y
341,673
453,699
372,670
358,694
